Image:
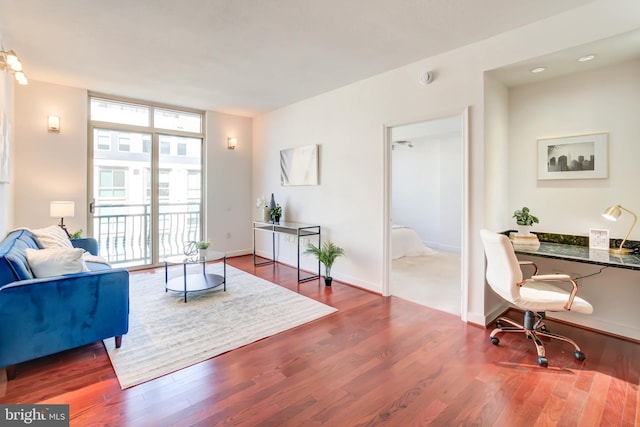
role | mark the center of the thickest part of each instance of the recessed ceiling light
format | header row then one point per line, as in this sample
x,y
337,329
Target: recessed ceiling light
x,y
586,58
538,69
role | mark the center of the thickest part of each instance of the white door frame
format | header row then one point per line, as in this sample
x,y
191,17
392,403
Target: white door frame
x,y
464,258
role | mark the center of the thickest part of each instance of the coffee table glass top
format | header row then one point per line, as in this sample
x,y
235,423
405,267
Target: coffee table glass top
x,y
195,258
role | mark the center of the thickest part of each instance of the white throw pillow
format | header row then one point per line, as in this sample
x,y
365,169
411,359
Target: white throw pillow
x,y
52,237
56,261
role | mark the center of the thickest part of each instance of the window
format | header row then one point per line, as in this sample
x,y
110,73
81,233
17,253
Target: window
x,y
165,147
193,185
112,184
177,120
164,179
105,110
124,144
104,143
145,168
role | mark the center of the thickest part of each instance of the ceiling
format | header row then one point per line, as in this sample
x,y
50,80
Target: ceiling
x,y
244,57
609,51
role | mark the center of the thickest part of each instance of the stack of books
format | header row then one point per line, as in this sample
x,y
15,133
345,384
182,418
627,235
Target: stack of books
x,y
521,241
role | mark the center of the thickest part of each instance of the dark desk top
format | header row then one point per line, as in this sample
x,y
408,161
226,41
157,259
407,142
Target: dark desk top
x,y
581,254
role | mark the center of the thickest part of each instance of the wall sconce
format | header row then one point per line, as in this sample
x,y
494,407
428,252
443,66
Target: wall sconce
x,y
60,209
231,143
53,124
9,61
612,214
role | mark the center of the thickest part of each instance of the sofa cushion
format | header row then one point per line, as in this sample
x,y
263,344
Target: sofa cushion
x,y
56,261
13,260
52,237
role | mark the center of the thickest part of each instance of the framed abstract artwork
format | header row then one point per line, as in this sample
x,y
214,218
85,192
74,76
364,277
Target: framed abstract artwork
x,y
299,166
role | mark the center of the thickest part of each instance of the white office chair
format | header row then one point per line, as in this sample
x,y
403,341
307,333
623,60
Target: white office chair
x,y
535,295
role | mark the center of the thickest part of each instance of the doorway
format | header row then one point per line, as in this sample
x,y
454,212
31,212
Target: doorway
x,y
426,212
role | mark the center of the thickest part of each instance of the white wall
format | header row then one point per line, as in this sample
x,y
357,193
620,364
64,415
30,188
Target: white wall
x,y
415,189
229,201
6,114
426,189
602,100
348,124
50,166
53,166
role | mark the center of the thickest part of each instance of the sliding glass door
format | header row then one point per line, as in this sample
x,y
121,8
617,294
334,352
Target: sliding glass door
x,y
146,185
179,193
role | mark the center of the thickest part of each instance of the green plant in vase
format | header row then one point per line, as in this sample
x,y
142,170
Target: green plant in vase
x,y
326,254
202,247
276,213
525,220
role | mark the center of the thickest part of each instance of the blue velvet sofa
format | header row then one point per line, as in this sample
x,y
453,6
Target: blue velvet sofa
x,y
43,316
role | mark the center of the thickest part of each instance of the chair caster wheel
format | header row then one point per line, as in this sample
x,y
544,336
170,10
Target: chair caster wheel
x,y
542,361
579,355
494,340
499,325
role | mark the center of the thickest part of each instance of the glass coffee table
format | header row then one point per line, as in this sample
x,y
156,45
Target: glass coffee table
x,y
195,282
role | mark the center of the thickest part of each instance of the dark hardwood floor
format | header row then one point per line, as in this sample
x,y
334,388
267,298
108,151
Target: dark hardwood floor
x,y
377,361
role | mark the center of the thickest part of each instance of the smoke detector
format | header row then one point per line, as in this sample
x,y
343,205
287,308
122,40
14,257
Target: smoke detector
x,y
426,77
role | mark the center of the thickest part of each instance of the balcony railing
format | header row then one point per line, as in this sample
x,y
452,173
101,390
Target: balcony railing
x,y
124,231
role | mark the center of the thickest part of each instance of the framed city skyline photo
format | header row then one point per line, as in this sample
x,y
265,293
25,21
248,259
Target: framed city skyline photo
x,y
573,157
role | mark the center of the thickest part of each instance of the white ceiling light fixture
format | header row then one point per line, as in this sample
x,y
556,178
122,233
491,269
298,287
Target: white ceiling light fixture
x,y
9,61
538,69
586,58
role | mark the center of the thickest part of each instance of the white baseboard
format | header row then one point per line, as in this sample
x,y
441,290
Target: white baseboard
x,y
485,319
239,252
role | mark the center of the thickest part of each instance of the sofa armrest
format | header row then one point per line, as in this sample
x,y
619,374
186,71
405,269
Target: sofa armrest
x,y
89,244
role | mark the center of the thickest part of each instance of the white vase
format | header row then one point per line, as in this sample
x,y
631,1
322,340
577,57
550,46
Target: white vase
x,y
266,216
524,230
202,253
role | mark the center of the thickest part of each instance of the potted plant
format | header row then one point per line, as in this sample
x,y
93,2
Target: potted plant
x,y
276,213
525,221
326,254
202,247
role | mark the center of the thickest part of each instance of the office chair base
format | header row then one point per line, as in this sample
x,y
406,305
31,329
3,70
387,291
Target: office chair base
x,y
533,328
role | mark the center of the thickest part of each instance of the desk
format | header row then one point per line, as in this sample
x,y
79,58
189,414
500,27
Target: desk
x,y
581,254
614,296
290,228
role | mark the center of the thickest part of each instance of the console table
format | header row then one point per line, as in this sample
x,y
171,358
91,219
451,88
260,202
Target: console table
x,y
290,228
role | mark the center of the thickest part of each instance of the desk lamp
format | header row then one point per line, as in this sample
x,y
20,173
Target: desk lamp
x,y
62,209
612,213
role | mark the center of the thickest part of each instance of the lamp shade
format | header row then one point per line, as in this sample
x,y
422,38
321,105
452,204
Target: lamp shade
x,y
53,123
612,213
61,209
